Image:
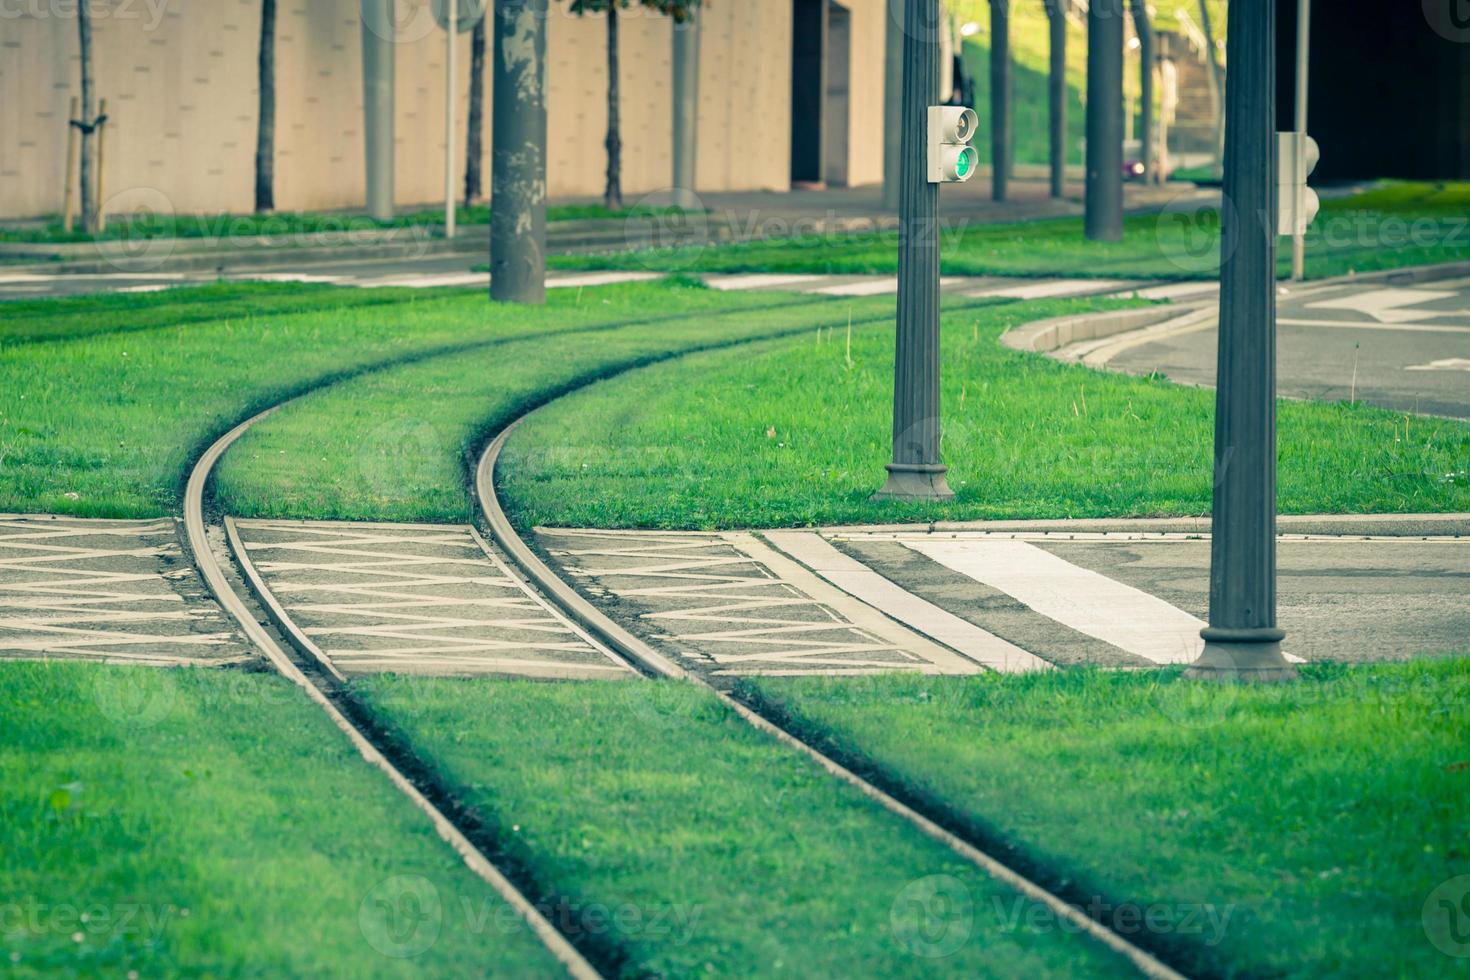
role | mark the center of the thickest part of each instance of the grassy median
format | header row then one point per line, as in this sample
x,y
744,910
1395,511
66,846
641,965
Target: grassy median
x,y
1394,224
215,823
1258,831
701,847
795,434
105,424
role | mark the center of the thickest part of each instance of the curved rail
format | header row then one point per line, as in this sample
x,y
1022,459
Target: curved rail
x,y
638,652
213,572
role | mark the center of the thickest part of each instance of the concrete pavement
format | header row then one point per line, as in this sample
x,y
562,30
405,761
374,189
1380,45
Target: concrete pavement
x,y
1404,347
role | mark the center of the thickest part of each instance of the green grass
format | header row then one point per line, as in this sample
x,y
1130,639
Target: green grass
x,y
1318,817
214,823
717,850
393,445
224,226
31,321
1393,225
106,425
792,435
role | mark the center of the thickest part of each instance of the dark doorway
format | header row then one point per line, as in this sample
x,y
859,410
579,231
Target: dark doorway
x,y
808,90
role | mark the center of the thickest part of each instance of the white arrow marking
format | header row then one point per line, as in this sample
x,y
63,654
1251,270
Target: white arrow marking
x,y
1383,304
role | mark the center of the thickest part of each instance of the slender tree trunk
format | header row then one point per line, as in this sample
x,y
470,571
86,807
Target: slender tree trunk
x,y
84,39
1000,97
265,134
518,147
474,147
1057,95
1217,85
1145,32
612,195
1103,215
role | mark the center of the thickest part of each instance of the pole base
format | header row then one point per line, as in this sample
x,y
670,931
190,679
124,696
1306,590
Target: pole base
x,y
1248,656
915,481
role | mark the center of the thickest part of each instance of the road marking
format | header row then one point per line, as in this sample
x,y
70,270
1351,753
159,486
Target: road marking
x,y
410,598
600,279
1052,288
860,614
427,281
1447,364
1372,325
758,281
860,581
287,277
1080,598
864,287
1385,305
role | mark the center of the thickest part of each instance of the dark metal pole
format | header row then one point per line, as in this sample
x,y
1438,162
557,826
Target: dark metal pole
x,y
518,158
1103,217
686,109
378,43
1145,31
1242,641
1057,95
893,49
916,472
1000,97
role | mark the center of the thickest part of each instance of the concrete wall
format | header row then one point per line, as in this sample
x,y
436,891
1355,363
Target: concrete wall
x,y
179,77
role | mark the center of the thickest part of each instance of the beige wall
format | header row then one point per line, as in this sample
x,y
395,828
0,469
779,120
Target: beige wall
x,y
179,77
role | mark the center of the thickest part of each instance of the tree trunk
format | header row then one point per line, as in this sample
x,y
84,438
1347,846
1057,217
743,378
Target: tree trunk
x,y
265,134
474,147
1217,85
1057,95
518,153
84,39
612,195
1145,32
1000,97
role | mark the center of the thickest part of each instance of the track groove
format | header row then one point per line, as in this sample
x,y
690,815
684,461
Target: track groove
x,y
650,661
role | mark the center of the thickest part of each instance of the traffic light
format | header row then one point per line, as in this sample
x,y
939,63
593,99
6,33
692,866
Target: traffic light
x,y
1296,157
951,157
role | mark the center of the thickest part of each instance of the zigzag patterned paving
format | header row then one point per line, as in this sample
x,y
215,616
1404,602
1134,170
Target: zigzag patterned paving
x,y
114,591
412,598
731,604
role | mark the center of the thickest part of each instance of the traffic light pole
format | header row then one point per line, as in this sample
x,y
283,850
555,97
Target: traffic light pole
x,y
916,472
518,161
1242,641
1103,208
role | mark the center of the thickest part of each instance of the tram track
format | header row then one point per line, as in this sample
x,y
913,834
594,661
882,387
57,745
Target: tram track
x,y
216,549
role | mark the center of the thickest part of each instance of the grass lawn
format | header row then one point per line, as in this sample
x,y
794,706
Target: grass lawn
x,y
30,321
105,425
214,823
1392,225
1273,831
392,445
226,226
716,850
792,434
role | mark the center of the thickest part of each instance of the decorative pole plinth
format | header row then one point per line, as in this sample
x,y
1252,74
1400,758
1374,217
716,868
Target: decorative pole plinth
x,y
1242,642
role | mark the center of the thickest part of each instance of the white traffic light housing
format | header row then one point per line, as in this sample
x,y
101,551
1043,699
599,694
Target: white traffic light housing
x,y
951,157
1297,204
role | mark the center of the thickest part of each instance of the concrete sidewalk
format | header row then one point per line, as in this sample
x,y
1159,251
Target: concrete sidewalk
x,y
993,597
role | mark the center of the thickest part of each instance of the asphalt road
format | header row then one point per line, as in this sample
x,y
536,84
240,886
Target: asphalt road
x,y
1405,348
